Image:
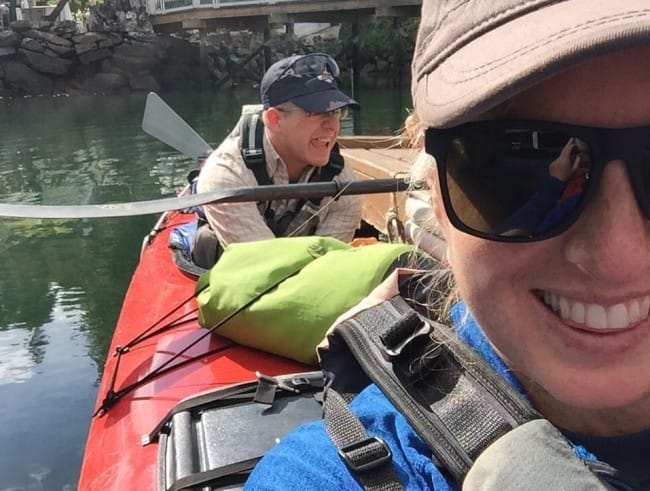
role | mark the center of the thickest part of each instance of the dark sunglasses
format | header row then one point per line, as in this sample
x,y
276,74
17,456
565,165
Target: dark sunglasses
x,y
312,65
524,181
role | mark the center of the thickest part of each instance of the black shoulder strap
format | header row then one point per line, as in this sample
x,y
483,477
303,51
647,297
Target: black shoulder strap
x,y
368,457
253,147
330,171
434,379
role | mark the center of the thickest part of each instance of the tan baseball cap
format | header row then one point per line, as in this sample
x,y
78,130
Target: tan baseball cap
x,y
472,55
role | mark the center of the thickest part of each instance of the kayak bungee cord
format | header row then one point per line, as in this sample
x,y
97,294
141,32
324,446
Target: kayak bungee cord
x,y
112,396
146,334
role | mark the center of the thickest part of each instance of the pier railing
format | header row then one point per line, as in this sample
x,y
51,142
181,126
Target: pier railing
x,y
167,6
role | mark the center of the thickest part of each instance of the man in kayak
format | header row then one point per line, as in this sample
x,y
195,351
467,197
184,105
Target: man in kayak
x,y
290,138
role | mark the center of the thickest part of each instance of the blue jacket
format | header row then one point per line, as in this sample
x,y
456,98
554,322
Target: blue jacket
x,y
306,459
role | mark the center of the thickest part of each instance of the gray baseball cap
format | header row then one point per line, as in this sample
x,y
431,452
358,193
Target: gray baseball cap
x,y
472,55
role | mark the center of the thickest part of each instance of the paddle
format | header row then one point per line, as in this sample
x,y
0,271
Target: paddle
x,y
162,122
232,195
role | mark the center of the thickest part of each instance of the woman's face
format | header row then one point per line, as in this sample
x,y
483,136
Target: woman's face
x,y
581,375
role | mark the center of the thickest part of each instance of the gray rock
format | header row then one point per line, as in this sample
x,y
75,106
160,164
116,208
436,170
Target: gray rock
x,y
46,64
61,50
22,80
7,51
105,83
80,49
112,39
65,28
50,53
89,38
134,64
48,37
142,82
32,45
94,55
9,39
20,25
137,50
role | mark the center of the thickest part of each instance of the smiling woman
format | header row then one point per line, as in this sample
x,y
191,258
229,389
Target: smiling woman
x,y
539,184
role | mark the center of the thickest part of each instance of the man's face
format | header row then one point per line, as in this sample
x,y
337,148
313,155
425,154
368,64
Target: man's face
x,y
303,138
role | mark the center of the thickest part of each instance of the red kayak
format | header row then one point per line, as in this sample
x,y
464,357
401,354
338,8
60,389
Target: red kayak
x,y
176,400
159,355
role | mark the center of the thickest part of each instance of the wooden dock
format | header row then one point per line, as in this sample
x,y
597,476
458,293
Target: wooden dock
x,y
379,157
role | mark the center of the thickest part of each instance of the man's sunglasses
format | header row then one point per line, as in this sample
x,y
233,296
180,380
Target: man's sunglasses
x,y
337,114
524,181
310,66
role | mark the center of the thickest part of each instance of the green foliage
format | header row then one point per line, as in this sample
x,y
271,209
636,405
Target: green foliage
x,y
377,39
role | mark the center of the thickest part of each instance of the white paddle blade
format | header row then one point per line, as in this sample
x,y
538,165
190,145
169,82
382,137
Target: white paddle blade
x,y
162,122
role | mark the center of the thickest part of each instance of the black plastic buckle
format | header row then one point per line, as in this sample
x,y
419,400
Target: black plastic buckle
x,y
254,153
392,351
348,453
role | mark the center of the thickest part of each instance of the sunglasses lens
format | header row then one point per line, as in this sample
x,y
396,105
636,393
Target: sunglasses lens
x,y
315,65
514,183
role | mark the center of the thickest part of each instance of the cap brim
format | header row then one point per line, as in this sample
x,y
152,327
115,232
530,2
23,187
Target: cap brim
x,y
324,101
521,53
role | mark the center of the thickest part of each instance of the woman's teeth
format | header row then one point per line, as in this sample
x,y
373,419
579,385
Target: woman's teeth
x,y
595,316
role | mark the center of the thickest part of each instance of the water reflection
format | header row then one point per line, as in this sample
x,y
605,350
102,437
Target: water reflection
x,y
17,361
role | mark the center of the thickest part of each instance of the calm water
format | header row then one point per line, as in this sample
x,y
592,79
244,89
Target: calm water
x,y
62,282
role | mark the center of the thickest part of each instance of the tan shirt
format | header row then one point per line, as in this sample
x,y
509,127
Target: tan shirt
x,y
242,222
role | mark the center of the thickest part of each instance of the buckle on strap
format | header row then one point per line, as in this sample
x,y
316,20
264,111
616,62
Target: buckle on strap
x,y
365,455
396,337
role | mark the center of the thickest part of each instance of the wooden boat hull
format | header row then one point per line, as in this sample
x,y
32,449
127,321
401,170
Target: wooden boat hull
x,y
114,457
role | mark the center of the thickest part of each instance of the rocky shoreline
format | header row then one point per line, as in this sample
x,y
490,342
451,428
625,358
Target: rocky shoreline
x,y
121,54
57,59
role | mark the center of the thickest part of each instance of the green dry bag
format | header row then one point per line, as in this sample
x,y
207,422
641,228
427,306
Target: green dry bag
x,y
287,292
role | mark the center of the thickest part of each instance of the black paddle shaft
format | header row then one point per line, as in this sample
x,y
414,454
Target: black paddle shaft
x,y
232,195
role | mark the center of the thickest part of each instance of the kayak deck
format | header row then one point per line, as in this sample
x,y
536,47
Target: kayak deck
x,y
114,456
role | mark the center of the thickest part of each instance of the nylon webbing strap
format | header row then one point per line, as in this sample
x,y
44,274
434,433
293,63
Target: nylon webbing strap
x,y
452,398
253,148
369,458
